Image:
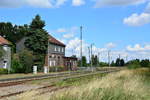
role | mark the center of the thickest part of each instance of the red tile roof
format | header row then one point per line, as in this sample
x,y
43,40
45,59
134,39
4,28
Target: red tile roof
x,y
55,41
3,41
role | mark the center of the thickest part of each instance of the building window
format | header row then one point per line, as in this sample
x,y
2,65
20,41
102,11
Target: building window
x,y
55,48
5,48
62,49
54,63
59,49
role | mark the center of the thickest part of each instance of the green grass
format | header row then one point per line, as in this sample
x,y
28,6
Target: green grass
x,y
124,85
79,80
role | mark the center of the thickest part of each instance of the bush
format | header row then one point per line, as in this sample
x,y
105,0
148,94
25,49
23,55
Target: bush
x,y
145,63
22,62
26,60
16,66
103,64
3,71
134,65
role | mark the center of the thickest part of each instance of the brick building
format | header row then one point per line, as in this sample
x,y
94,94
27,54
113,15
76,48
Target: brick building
x,y
56,54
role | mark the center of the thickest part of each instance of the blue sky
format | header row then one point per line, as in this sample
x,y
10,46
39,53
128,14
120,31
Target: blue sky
x,y
121,26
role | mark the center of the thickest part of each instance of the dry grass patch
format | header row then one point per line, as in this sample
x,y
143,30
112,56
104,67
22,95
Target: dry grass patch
x,y
123,85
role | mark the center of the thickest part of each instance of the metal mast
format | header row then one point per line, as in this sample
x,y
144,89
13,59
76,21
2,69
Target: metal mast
x,y
81,45
92,54
109,57
48,56
89,55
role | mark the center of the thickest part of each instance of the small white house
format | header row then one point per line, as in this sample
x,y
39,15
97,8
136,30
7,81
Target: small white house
x,y
5,61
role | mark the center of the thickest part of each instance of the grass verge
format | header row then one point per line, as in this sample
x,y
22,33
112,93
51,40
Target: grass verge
x,y
123,85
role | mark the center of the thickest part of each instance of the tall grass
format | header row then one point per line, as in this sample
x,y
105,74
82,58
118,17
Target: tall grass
x,y
124,85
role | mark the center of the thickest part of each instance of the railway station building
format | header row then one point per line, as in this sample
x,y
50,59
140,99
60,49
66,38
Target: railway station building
x,y
56,55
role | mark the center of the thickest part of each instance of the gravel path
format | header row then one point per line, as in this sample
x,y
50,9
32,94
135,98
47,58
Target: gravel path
x,y
17,88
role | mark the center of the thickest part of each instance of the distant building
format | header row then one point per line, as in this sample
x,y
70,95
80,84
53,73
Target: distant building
x,y
57,57
5,61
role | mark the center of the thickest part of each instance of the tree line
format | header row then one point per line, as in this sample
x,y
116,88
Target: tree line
x,y
35,44
115,63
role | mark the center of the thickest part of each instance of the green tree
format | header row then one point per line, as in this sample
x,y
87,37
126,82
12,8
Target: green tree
x,y
26,60
95,60
13,33
113,63
134,64
84,61
37,40
118,62
103,64
16,66
7,31
122,63
145,63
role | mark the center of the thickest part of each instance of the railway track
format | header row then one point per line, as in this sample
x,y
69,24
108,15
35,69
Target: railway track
x,y
52,87
16,81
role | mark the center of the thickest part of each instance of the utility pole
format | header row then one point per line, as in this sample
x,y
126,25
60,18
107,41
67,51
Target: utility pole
x,y
109,57
119,56
98,59
81,44
126,58
92,55
48,57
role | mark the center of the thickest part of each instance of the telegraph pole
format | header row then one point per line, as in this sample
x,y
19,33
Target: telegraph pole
x,y
109,57
126,58
89,54
92,55
81,44
48,57
98,59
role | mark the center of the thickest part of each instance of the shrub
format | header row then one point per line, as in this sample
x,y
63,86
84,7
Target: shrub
x,y
26,60
103,64
3,71
16,66
134,65
145,63
22,62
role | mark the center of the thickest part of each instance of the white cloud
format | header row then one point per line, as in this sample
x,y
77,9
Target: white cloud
x,y
33,3
60,2
78,2
73,47
101,3
67,36
137,20
9,3
147,9
110,45
61,30
39,3
138,48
